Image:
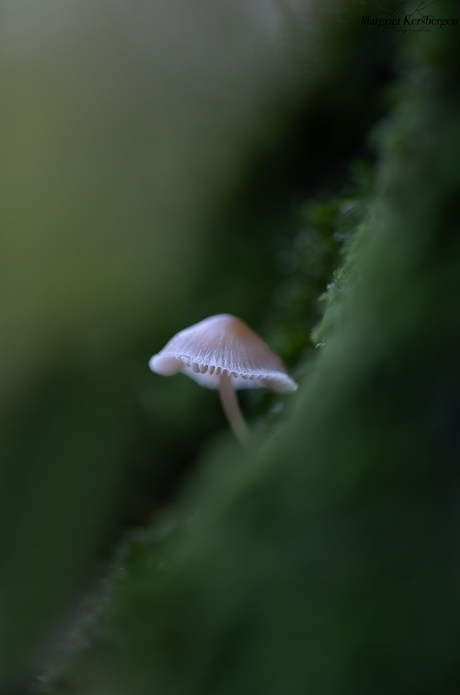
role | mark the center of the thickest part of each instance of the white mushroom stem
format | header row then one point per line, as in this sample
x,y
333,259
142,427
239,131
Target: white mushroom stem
x,y
232,409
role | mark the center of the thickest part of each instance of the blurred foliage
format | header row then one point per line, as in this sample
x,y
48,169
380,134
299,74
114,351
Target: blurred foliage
x,y
150,184
121,145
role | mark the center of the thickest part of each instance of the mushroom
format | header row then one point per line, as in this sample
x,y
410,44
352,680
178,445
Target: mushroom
x,y
223,353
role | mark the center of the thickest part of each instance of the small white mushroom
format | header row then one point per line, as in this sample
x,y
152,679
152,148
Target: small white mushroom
x,y
223,353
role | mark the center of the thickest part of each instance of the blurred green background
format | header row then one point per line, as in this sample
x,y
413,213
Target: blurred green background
x,y
162,162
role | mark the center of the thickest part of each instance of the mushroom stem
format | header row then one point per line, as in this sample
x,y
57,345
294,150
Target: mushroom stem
x,y
232,409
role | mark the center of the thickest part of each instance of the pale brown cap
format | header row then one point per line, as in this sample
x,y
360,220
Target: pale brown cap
x,y
223,344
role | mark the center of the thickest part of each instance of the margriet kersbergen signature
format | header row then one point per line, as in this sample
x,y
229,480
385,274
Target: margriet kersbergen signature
x,y
401,20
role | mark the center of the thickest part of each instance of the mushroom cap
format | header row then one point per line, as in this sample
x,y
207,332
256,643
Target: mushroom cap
x,y
223,344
